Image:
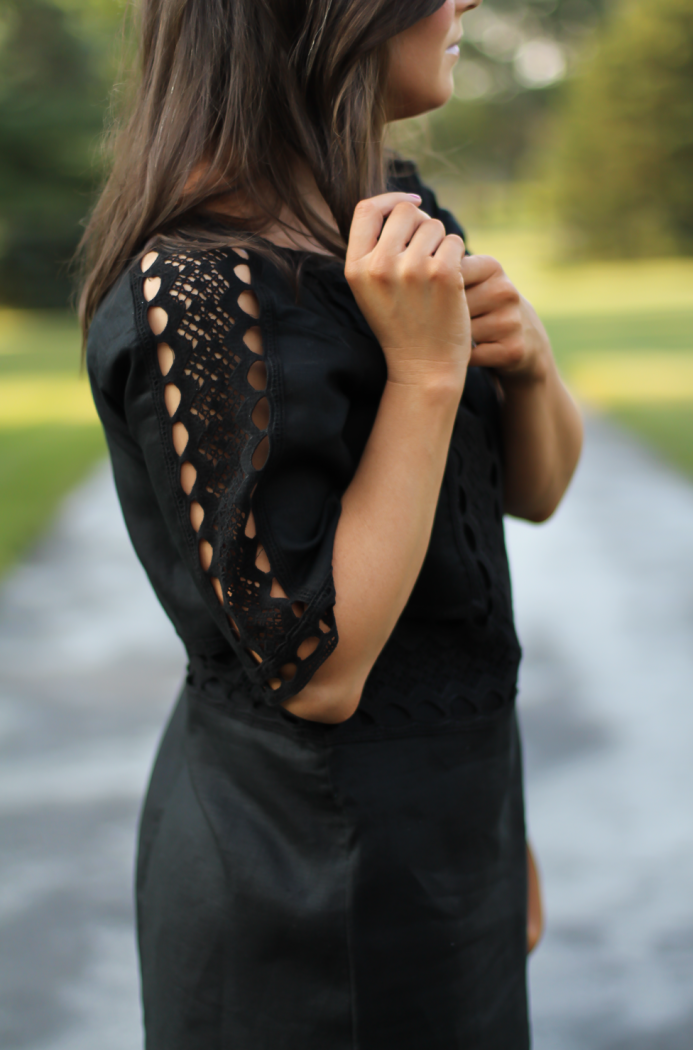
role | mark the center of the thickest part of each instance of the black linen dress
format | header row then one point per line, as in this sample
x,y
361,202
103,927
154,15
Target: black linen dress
x,y
302,886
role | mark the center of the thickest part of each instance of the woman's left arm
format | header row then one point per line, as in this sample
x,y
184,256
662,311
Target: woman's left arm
x,y
541,422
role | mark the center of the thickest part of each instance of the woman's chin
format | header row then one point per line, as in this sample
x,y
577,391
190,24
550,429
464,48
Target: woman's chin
x,y
425,104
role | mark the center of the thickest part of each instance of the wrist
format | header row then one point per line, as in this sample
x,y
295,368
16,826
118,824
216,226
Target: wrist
x,y
429,381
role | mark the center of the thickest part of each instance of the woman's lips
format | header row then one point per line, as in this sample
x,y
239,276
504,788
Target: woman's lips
x,y
454,49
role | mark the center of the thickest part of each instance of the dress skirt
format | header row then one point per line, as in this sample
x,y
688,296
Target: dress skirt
x,y
301,888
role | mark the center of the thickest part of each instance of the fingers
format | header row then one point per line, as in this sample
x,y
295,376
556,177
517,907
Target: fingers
x,y
497,355
451,251
498,325
427,239
400,228
369,216
479,268
487,355
494,293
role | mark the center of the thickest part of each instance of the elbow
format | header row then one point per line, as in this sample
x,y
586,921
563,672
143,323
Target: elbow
x,y
537,513
538,506
542,512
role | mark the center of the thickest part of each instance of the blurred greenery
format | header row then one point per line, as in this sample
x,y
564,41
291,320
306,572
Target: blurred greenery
x,y
569,115
624,166
514,57
622,332
49,432
53,91
668,428
38,465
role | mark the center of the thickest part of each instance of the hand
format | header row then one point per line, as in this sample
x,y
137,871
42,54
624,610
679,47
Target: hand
x,y
508,334
406,277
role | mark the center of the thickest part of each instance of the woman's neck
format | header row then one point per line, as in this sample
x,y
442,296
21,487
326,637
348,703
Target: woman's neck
x,y
285,231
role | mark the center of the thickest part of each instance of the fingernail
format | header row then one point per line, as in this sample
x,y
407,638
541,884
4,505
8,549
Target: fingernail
x,y
414,197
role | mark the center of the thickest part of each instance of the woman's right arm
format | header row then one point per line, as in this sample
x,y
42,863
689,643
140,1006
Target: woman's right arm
x,y
406,276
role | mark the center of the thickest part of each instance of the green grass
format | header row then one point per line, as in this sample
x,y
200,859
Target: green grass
x,y
626,332
667,428
38,465
629,307
38,341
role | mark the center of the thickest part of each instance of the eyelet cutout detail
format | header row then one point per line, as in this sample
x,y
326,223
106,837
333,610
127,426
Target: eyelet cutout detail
x,y
188,476
164,355
257,376
171,398
196,515
249,304
158,319
253,340
214,382
307,648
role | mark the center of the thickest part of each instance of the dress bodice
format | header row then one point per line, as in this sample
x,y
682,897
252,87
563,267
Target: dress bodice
x,y
236,416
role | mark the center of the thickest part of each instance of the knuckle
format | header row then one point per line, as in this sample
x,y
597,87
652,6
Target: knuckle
x,y
514,351
507,290
449,270
405,208
379,270
409,271
443,272
507,325
364,207
493,265
352,270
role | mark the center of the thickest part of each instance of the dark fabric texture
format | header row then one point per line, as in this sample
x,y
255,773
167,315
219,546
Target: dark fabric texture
x,y
299,885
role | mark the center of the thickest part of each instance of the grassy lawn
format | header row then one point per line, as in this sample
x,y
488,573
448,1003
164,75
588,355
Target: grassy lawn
x,y
49,433
622,332
669,429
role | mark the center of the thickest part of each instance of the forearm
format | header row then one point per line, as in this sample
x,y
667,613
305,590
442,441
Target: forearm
x,y
382,537
542,436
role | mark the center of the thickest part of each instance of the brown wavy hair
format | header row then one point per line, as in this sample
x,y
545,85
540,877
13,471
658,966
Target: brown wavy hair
x,y
229,94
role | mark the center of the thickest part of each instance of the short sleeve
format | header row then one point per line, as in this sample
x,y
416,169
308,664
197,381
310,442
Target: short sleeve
x,y
205,326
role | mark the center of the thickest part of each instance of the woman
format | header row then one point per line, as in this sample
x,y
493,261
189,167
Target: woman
x,y
313,462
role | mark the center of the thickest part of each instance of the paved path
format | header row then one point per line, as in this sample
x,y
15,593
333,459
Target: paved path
x,y
604,596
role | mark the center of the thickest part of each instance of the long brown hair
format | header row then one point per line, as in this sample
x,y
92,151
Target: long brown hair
x,y
229,94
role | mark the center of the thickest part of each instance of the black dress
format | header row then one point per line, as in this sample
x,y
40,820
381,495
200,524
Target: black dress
x,y
302,886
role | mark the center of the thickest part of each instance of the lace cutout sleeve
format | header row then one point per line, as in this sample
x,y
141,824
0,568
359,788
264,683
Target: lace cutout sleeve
x,y
216,391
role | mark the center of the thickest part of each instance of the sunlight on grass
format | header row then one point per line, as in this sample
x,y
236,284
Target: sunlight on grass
x,y
667,428
28,400
38,465
49,432
38,341
622,331
595,288
609,378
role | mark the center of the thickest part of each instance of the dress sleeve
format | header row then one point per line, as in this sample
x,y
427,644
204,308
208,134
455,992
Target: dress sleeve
x,y
206,329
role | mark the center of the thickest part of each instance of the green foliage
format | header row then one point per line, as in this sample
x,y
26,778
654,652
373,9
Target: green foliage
x,y
52,103
624,165
666,428
514,55
38,465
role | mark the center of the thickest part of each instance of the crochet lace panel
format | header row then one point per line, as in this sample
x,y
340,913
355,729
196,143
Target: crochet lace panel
x,y
213,385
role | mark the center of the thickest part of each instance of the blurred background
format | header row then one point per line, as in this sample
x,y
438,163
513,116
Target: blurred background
x,y
567,153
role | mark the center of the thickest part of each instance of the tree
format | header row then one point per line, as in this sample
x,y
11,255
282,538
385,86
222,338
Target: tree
x,y
624,161
51,114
